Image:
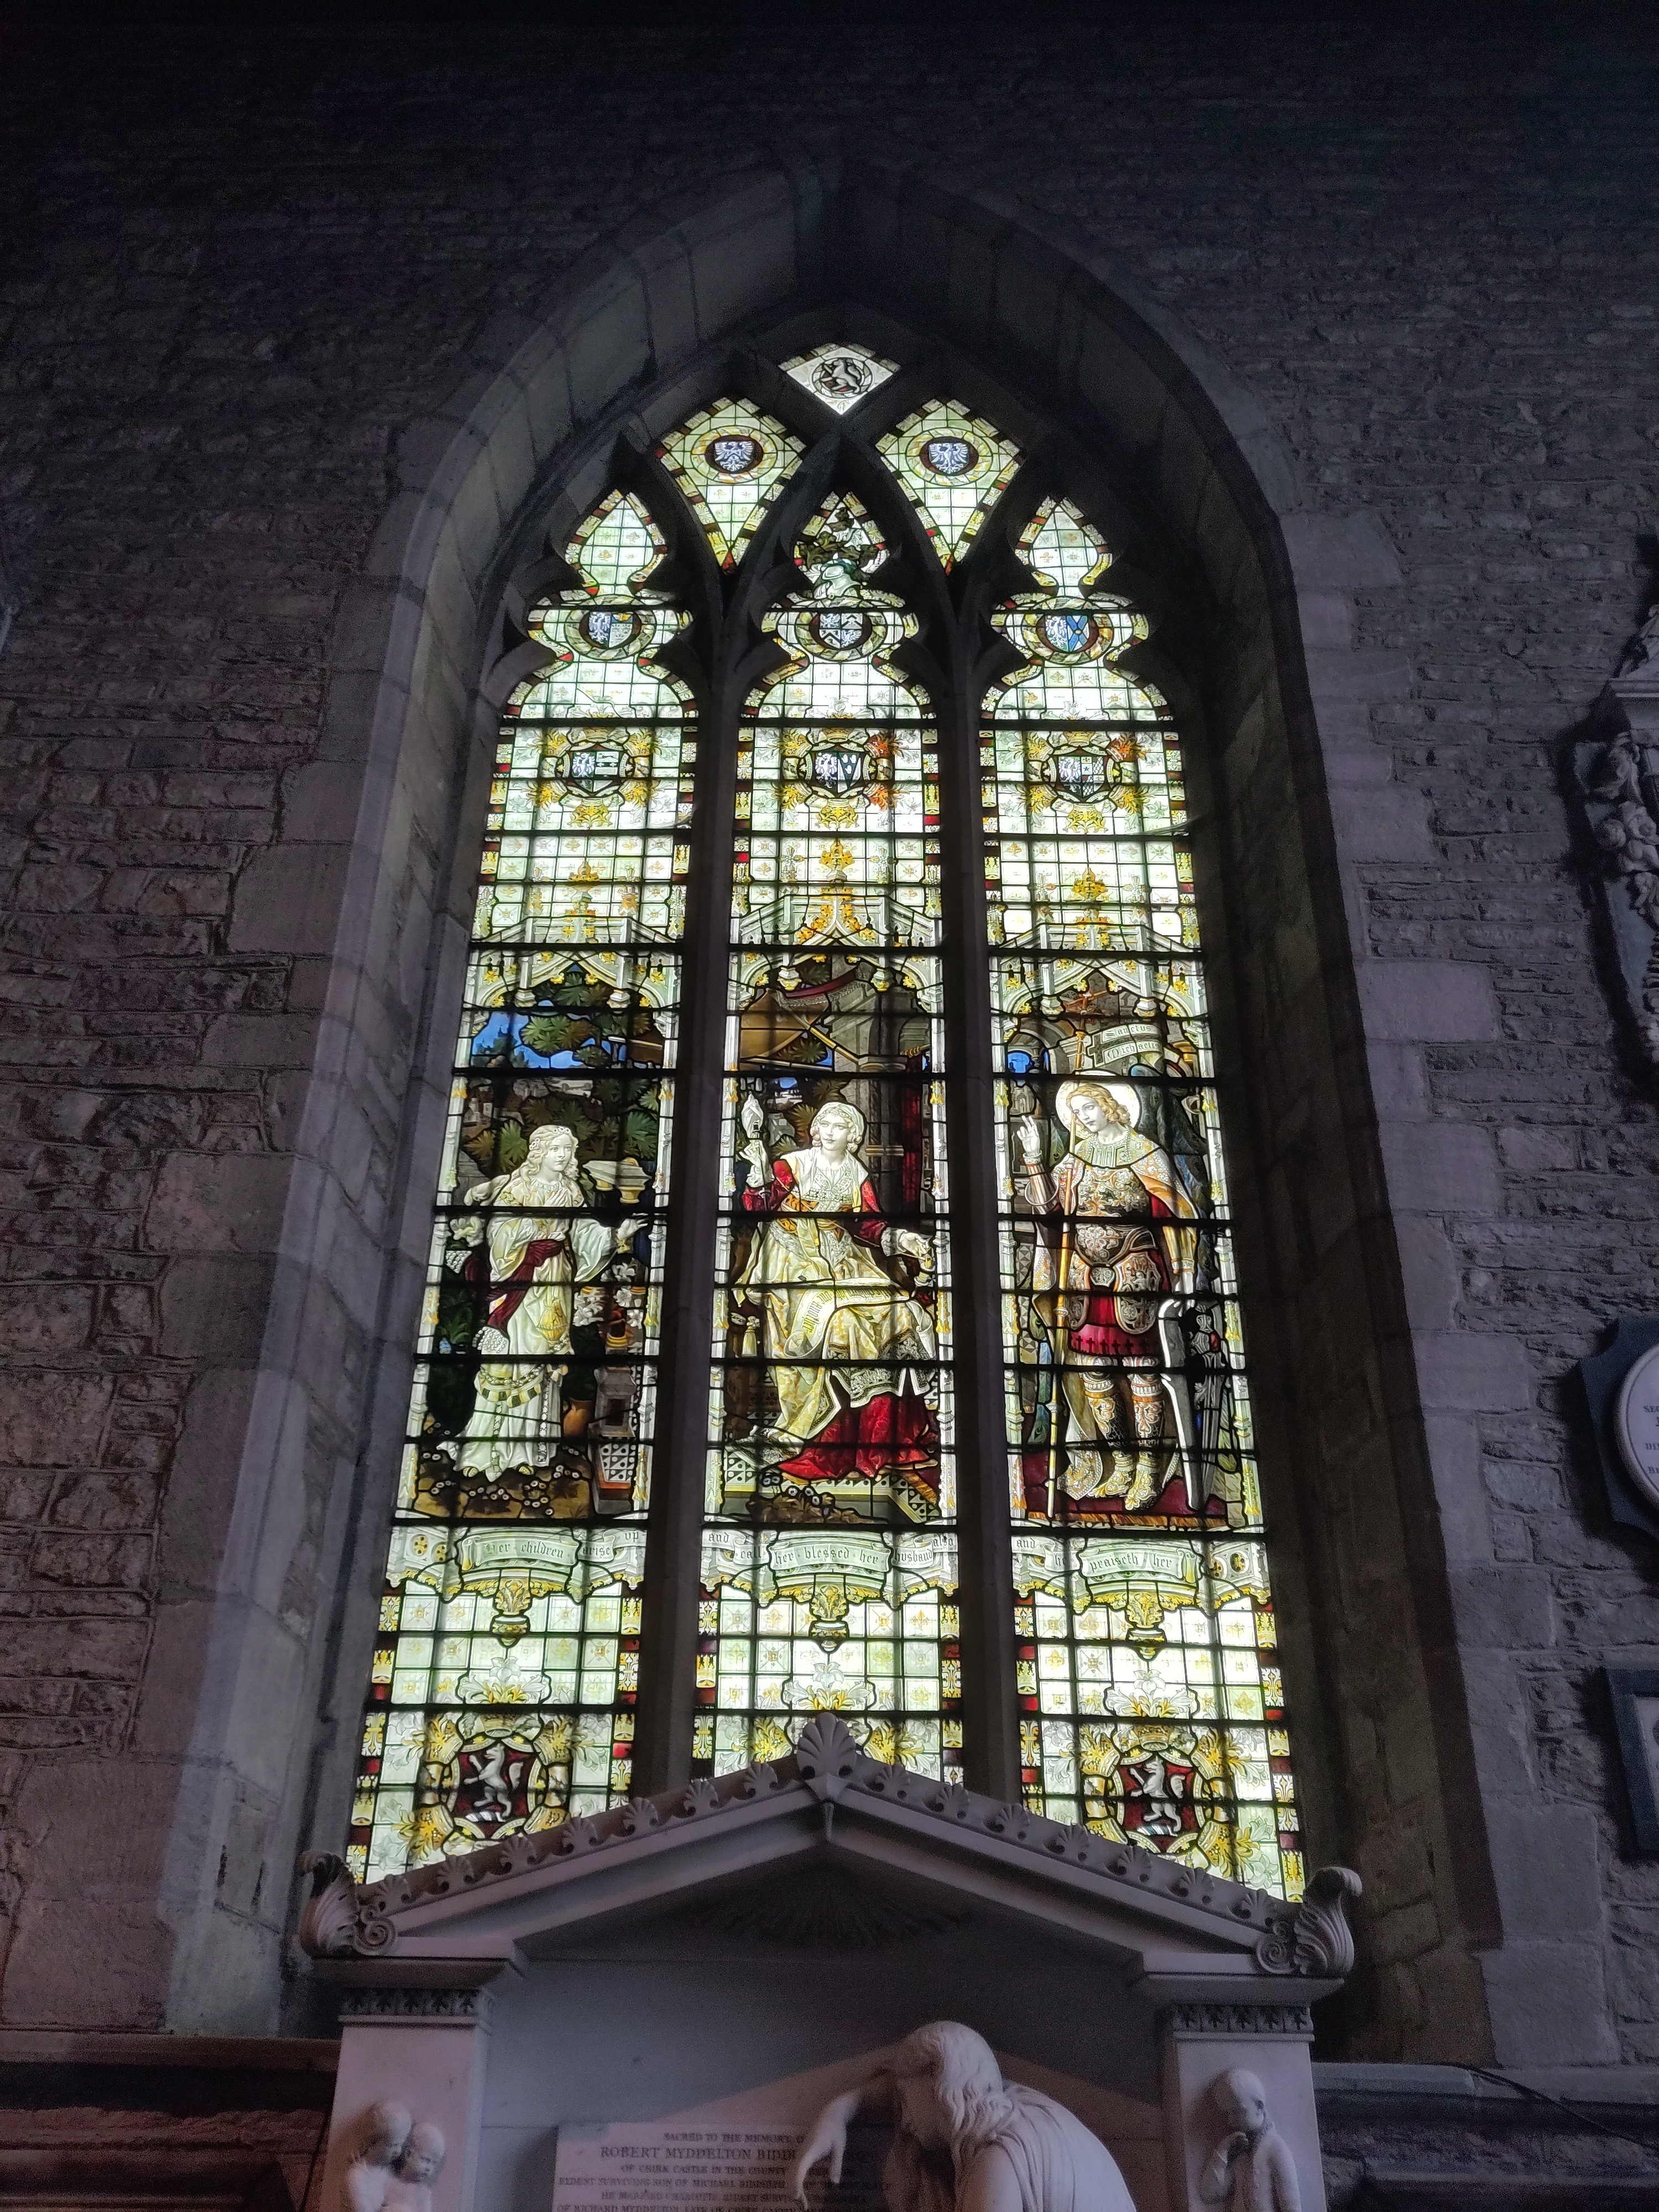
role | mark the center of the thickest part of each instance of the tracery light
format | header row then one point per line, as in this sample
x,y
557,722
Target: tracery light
x,y
729,461
840,374
504,1682
505,1678
954,467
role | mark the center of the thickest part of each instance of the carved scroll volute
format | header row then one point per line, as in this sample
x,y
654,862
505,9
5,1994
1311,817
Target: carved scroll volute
x,y
332,1922
328,1918
1316,1940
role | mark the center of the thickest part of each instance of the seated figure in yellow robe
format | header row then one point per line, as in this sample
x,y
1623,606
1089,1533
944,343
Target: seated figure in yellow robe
x,y
864,1407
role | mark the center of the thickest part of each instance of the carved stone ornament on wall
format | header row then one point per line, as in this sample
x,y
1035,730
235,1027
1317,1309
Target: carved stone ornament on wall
x,y
1309,1940
1618,771
1621,1385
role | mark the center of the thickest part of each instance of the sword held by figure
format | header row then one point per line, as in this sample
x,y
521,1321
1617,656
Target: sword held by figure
x,y
1053,1310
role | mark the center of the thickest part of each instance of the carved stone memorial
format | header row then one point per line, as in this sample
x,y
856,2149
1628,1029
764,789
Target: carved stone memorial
x,y
618,2015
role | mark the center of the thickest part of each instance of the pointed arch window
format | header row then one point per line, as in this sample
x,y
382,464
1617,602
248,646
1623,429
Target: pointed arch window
x,y
949,1432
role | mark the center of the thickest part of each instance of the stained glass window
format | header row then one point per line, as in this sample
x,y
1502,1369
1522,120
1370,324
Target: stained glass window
x,y
1147,1663
1140,1619
955,469
829,1569
839,375
729,461
504,1680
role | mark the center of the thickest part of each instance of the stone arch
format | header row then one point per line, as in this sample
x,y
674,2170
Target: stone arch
x,y
364,884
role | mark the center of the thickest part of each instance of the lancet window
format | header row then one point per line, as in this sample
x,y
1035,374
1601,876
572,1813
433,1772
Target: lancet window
x,y
854,862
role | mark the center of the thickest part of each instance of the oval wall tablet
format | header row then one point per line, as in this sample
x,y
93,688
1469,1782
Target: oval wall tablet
x,y
1635,1423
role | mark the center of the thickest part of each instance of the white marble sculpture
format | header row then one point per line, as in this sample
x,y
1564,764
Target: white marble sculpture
x,y
409,2189
963,2139
395,2163
1250,2169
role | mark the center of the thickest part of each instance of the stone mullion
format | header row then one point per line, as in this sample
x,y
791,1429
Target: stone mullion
x,y
668,1643
990,1718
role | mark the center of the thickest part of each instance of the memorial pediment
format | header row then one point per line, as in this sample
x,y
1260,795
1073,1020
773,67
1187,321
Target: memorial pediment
x,y
639,1970
868,1853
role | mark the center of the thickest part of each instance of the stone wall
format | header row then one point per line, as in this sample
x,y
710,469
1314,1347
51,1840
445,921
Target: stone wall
x,y
261,266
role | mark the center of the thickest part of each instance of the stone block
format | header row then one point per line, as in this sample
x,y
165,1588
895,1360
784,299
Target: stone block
x,y
52,1416
1548,2005
1499,1716
274,1040
24,1493
101,1650
1428,1002
1473,1372
1455,1460
91,1562
214,1309
1440,1167
1391,824
1503,1608
212,1203
1339,677
321,802
1548,1862
40,1317
1327,620
1349,552
1400,1085
117,1499
1429,1270
288,900
1540,1150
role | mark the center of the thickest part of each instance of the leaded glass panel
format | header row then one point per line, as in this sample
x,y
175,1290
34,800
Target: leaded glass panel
x,y
505,1679
506,1669
729,461
955,468
840,374
831,1404
1142,1651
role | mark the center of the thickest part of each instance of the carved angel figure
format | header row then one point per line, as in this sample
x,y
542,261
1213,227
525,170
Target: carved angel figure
x,y
409,2189
1250,2169
963,2139
382,2133
395,2163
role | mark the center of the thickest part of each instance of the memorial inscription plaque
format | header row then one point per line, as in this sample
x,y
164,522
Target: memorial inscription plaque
x,y
652,2166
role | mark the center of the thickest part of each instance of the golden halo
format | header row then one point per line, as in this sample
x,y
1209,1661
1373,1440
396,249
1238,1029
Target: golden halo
x,y
1124,1095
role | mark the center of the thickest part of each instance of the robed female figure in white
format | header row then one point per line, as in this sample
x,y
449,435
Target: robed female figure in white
x,y
963,2139
531,1264
861,1408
